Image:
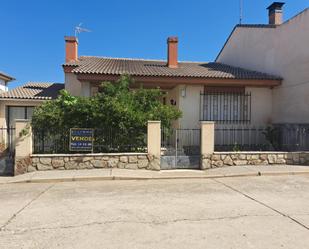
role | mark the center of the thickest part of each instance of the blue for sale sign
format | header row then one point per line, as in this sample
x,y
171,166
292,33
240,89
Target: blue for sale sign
x,y
81,139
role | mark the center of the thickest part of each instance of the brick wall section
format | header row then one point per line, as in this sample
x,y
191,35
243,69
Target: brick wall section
x,y
224,159
92,161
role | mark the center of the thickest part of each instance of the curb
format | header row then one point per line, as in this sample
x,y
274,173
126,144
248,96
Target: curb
x,y
130,178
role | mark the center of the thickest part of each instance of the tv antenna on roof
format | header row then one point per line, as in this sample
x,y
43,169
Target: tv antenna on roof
x,y
240,11
78,29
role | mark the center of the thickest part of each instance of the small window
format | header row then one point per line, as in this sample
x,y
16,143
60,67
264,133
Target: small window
x,y
18,112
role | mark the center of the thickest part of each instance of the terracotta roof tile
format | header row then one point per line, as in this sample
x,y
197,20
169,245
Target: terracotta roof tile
x,y
139,67
34,90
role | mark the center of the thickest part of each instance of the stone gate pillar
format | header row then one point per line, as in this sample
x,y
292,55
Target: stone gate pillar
x,y
154,144
23,146
207,143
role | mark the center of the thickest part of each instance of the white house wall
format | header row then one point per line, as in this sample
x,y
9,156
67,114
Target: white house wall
x,y
173,94
3,87
190,106
261,105
281,51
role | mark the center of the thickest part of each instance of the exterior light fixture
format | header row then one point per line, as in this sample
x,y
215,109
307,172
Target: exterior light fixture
x,y
183,92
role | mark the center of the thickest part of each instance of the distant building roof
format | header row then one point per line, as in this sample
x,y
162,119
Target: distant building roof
x,y
158,68
6,77
35,91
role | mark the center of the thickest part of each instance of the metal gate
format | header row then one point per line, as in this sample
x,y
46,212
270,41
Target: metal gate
x,y
181,148
7,151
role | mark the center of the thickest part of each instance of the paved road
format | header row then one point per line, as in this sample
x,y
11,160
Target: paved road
x,y
252,212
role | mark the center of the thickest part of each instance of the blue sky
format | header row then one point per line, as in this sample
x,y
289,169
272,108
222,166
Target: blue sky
x,y
32,40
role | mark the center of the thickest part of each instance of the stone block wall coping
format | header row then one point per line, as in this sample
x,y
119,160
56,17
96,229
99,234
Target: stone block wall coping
x,y
89,154
208,122
258,152
154,121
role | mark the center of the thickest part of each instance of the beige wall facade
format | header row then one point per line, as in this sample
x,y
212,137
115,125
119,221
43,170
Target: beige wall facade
x,y
261,105
188,102
281,51
4,103
187,99
3,119
77,87
72,84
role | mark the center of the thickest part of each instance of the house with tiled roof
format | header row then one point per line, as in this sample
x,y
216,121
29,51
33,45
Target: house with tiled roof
x,y
208,91
279,48
248,84
19,102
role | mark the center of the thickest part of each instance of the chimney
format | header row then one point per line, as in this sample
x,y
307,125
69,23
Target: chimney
x,y
275,13
71,45
172,52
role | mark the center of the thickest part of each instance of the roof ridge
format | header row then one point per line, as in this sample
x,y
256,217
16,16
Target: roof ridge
x,y
137,59
120,58
257,25
41,82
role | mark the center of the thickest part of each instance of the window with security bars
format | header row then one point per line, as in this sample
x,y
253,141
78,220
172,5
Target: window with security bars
x,y
226,105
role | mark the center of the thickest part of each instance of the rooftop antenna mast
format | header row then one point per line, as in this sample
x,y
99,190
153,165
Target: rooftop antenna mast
x,y
78,29
240,11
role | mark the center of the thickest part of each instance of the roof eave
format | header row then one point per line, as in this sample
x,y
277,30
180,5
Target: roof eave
x,y
16,99
6,78
68,68
183,80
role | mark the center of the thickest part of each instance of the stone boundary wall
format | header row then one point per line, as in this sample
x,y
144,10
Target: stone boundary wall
x,y
92,161
224,159
137,161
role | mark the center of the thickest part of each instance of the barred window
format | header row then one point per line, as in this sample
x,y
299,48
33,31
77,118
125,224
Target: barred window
x,y
225,105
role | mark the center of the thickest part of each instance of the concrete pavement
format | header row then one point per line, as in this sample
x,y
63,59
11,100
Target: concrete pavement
x,y
236,213
126,174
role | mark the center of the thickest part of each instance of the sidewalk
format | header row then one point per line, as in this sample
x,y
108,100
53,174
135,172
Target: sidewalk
x,y
126,174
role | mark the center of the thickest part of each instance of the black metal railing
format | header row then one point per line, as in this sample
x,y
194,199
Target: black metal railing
x,y
7,140
105,141
182,141
7,150
244,138
291,137
226,108
276,137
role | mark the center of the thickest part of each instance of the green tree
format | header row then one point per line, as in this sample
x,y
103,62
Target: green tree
x,y
119,114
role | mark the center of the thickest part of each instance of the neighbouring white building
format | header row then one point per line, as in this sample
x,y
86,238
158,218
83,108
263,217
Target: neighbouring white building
x,y
4,80
279,48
